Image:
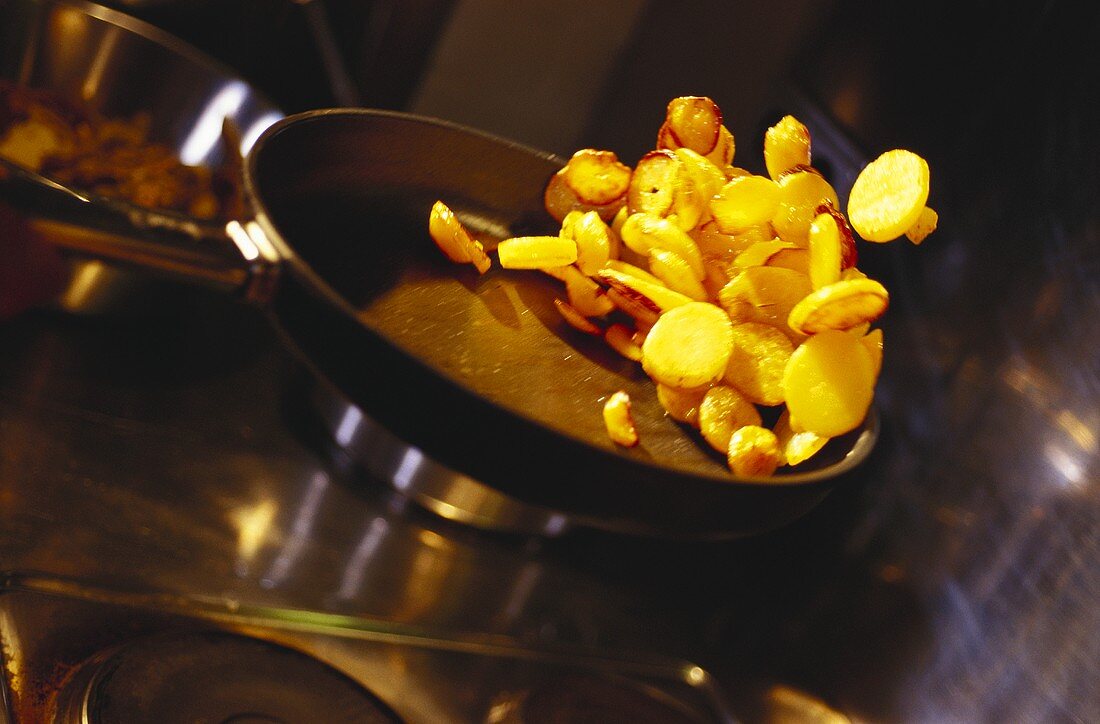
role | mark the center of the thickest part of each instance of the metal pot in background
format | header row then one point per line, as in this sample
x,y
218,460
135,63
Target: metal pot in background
x,y
119,66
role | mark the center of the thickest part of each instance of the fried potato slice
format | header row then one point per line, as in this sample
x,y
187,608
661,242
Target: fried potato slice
x,y
676,274
652,188
694,122
743,202
655,297
873,342
795,259
761,252
454,240
754,452
643,232
558,200
536,252
575,319
786,145
689,346
925,225
828,383
800,194
841,305
764,294
722,155
888,195
596,177
619,421
621,339
593,239
680,404
797,447
825,254
585,295
706,176
644,315
631,270
722,412
757,362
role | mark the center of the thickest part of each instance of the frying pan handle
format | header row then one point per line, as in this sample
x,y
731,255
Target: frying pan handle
x,y
235,257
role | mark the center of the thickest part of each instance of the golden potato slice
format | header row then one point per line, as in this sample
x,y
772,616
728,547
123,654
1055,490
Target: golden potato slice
x,y
754,452
888,195
757,362
597,177
925,225
656,297
454,240
694,122
593,239
786,145
653,184
873,342
723,411
795,259
536,252
676,274
642,232
707,177
797,447
722,155
800,193
716,246
743,202
621,339
645,316
558,200
761,252
824,245
632,270
689,346
681,405
585,295
575,319
829,383
764,294
841,305
848,252
619,421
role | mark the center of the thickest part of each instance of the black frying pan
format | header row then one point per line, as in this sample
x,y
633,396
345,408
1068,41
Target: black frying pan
x,y
479,373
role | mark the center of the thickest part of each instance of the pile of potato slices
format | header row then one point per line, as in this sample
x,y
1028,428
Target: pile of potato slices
x,y
737,293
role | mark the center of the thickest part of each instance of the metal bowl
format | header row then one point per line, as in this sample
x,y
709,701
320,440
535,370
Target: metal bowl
x,y
118,66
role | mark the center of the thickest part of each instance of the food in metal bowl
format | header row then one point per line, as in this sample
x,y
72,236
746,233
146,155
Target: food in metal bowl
x,y
78,147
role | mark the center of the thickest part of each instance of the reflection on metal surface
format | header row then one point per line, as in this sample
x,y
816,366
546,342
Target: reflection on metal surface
x,y
12,659
441,490
253,524
786,705
422,674
207,131
299,532
251,133
354,572
100,62
87,282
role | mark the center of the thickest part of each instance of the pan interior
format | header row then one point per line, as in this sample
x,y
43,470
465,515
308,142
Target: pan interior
x,y
351,197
